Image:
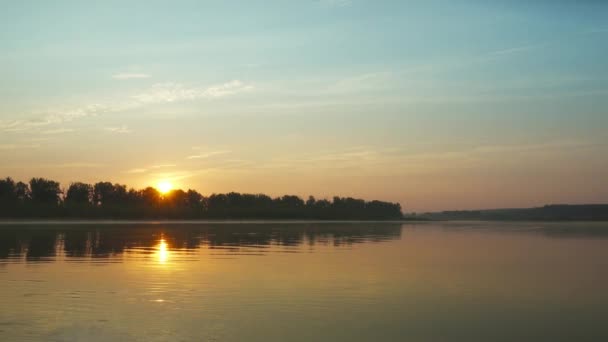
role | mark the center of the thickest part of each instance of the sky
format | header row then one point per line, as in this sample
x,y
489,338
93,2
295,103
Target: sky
x,y
435,105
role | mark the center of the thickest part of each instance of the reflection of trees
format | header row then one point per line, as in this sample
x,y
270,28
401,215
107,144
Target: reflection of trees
x,y
102,241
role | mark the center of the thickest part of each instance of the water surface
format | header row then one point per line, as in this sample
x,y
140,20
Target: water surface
x,y
304,282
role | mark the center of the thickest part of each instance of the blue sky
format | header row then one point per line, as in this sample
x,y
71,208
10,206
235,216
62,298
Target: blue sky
x,y
437,105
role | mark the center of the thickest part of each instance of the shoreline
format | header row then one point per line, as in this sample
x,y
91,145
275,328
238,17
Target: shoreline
x,y
205,221
25,222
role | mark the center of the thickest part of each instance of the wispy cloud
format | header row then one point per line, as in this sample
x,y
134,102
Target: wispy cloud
x,y
9,147
363,82
118,130
159,93
53,117
137,171
129,76
160,166
351,158
206,154
517,49
150,168
74,165
173,92
57,131
403,160
67,165
534,147
354,155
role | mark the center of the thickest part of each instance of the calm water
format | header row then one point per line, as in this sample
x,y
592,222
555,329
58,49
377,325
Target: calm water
x,y
304,282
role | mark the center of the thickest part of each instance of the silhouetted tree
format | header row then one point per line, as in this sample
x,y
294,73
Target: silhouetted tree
x,y
44,191
292,202
176,198
106,200
310,202
106,193
193,198
322,204
8,192
150,196
22,191
79,193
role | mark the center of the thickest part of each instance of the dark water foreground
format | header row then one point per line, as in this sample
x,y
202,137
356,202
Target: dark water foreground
x,y
304,282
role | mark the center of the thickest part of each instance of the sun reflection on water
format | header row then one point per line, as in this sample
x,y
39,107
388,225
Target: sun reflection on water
x,y
162,251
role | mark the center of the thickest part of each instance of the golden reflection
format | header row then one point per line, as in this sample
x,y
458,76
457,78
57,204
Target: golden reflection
x,y
162,251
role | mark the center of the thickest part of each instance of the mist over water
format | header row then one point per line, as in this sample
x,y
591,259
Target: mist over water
x,y
304,281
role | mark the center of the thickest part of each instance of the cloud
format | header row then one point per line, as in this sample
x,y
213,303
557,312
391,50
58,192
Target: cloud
x,y
159,93
351,158
174,92
137,171
149,168
364,82
404,160
53,117
206,155
129,76
68,165
160,166
354,155
534,147
57,131
119,130
517,49
74,165
10,147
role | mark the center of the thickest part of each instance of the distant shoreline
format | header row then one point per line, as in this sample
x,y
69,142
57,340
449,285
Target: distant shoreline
x,y
554,212
7,222
171,221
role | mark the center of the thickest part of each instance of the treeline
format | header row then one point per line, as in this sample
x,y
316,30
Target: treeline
x,y
43,198
554,212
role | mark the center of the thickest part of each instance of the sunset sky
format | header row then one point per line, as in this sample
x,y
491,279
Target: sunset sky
x,y
479,104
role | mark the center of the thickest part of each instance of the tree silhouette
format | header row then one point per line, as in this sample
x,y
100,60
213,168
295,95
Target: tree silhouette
x,y
45,191
107,200
106,194
22,191
8,192
193,198
150,196
79,193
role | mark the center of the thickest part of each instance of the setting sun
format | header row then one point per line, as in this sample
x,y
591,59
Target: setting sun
x,y
164,187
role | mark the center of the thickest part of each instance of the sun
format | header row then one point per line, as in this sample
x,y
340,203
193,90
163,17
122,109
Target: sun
x,y
164,187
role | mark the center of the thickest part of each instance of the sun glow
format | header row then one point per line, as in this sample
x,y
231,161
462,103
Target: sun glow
x,y
164,187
